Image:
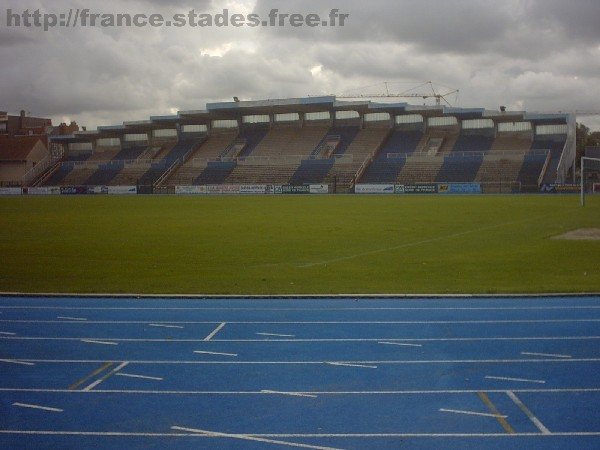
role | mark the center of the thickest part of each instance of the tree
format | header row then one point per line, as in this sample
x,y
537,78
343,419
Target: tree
x,y
583,134
593,139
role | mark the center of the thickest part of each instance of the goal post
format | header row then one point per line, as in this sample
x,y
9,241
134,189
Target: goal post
x,y
590,175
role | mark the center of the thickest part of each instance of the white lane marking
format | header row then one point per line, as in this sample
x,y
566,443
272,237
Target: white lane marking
x,y
546,355
472,413
212,335
331,322
364,308
16,361
365,366
201,352
6,333
318,393
100,380
93,341
480,339
289,363
400,344
299,436
276,335
293,394
160,325
43,408
246,437
77,319
143,377
522,380
540,426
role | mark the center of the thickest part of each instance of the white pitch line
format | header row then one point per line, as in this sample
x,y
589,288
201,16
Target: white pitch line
x,y
77,319
472,413
213,334
522,380
246,437
364,366
93,341
276,335
406,245
214,353
143,377
6,333
16,361
292,394
540,426
548,355
43,408
159,325
400,344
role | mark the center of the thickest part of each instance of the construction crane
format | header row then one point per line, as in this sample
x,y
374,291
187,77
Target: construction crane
x,y
439,97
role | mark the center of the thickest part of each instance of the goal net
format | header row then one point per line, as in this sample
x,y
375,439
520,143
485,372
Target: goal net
x,y
590,177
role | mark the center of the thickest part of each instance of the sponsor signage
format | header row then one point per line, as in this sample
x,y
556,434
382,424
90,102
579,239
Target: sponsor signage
x,y
122,190
73,190
560,188
319,188
459,188
10,191
295,189
374,189
44,190
103,190
220,189
416,189
596,188
256,189
190,190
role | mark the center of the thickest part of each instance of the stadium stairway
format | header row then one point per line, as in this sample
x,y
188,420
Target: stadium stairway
x,y
390,160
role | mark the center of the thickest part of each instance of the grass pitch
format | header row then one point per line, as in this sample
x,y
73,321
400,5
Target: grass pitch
x,y
297,245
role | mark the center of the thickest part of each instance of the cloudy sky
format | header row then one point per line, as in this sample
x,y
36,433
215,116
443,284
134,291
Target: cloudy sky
x,y
534,55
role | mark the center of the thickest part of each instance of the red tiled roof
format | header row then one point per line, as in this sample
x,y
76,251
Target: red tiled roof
x,y
17,149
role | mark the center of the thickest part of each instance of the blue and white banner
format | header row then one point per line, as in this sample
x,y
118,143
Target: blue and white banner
x,y
459,188
416,189
374,189
10,191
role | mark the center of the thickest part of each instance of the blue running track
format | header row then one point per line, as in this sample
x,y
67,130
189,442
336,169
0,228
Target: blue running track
x,y
341,373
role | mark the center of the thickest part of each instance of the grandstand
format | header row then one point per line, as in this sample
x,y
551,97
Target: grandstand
x,y
318,140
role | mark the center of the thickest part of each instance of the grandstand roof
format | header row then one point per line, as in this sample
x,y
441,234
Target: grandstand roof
x,y
234,110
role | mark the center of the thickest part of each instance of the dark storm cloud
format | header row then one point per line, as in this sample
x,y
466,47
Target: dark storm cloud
x,y
535,54
578,20
513,28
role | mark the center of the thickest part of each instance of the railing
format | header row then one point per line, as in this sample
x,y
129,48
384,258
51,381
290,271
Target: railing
x,y
567,156
545,168
167,173
359,173
329,146
40,181
37,170
50,160
272,160
507,154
